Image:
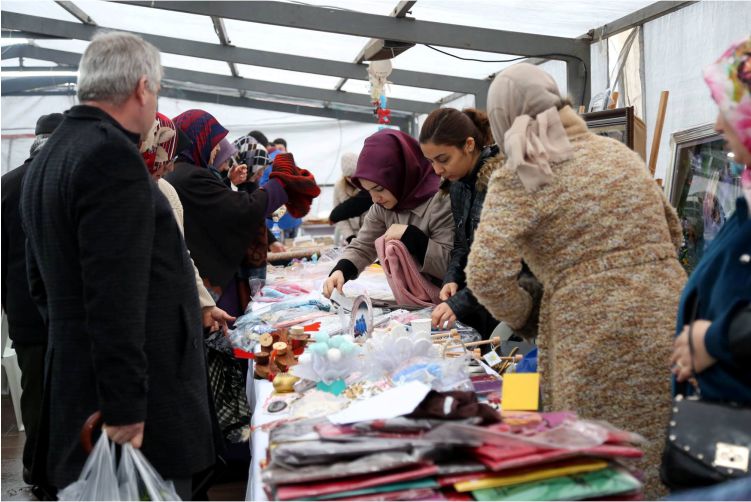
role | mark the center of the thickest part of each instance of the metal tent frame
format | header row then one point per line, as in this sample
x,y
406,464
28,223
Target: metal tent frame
x,y
335,103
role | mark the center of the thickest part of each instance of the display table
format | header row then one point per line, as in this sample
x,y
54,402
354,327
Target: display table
x,y
257,392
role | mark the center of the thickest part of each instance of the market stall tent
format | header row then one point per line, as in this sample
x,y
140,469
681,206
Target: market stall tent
x,y
296,70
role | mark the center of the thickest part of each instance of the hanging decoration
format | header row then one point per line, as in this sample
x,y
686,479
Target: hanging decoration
x,y
378,72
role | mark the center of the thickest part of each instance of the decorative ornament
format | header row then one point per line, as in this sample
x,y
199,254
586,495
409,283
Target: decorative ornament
x,y
378,72
328,361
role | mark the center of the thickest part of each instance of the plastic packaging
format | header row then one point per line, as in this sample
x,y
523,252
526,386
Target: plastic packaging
x,y
98,480
142,475
385,352
134,480
441,374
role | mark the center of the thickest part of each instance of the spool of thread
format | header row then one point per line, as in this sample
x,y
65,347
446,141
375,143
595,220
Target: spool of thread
x,y
262,358
297,330
266,341
276,336
298,342
283,367
280,348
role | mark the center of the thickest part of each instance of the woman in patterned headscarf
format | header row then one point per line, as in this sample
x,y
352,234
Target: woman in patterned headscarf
x,y
251,156
158,151
220,224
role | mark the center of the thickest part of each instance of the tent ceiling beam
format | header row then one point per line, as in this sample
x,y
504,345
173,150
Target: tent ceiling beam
x,y
76,12
401,10
212,79
206,97
63,29
25,35
361,24
637,18
221,32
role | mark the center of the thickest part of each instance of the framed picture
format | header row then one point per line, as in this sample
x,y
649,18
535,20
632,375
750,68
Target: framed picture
x,y
619,124
702,183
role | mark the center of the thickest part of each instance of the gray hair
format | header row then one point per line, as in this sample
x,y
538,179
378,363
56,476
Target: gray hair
x,y
112,65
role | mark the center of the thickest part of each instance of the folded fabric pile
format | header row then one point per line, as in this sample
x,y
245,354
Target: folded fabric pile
x,y
300,184
409,286
528,456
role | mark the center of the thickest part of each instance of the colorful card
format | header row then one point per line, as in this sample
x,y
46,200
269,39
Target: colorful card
x,y
521,392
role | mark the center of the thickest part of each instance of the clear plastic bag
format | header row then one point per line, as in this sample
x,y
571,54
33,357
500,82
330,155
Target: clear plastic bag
x,y
144,477
135,478
98,480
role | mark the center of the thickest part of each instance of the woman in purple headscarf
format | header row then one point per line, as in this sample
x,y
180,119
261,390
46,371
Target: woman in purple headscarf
x,y
407,207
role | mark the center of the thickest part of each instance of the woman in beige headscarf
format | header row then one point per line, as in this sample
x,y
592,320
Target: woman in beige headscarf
x,y
584,214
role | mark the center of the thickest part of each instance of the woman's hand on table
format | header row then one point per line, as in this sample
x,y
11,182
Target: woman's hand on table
x,y
681,358
443,316
277,247
334,281
448,290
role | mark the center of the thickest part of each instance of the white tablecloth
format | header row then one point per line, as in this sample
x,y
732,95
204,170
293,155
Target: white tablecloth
x,y
257,392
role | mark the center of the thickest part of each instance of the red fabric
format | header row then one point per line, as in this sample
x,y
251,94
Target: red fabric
x,y
315,489
500,458
409,286
300,184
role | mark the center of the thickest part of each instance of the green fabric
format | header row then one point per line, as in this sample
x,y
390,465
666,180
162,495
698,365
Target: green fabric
x,y
589,485
393,487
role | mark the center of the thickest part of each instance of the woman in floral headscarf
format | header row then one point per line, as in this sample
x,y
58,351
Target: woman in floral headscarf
x,y
158,151
715,302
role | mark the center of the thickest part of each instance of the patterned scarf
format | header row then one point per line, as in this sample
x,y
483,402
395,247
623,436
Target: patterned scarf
x,y
158,147
250,153
729,80
205,132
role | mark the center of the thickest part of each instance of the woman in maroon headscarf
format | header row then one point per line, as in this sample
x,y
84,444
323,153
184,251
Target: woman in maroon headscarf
x,y
407,207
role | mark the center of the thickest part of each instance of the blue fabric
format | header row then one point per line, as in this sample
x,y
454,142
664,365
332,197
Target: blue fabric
x,y
265,176
286,222
721,286
529,363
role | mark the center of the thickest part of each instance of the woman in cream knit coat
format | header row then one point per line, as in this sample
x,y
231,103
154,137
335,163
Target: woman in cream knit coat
x,y
596,230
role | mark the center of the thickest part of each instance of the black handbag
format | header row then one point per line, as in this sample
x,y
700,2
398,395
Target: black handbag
x,y
227,379
708,442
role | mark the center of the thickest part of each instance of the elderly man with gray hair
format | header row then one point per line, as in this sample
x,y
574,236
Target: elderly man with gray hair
x,y
109,270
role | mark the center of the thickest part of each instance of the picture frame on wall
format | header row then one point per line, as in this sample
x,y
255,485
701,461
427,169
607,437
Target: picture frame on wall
x,y
620,124
703,184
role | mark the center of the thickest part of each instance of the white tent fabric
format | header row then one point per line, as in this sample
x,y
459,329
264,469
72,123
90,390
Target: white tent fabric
x,y
702,31
317,143
677,47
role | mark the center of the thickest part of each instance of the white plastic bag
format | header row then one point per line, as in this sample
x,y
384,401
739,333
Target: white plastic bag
x,y
98,480
134,480
144,478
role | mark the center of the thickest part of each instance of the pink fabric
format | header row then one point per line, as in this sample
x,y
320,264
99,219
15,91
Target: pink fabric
x,y
409,286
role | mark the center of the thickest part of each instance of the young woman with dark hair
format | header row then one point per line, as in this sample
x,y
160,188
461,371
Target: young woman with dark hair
x,y
460,147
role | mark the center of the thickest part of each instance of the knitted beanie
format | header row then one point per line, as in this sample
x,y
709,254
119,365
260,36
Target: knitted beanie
x,y
349,164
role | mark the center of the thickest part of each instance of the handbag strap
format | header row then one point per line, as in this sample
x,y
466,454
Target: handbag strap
x,y
684,385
